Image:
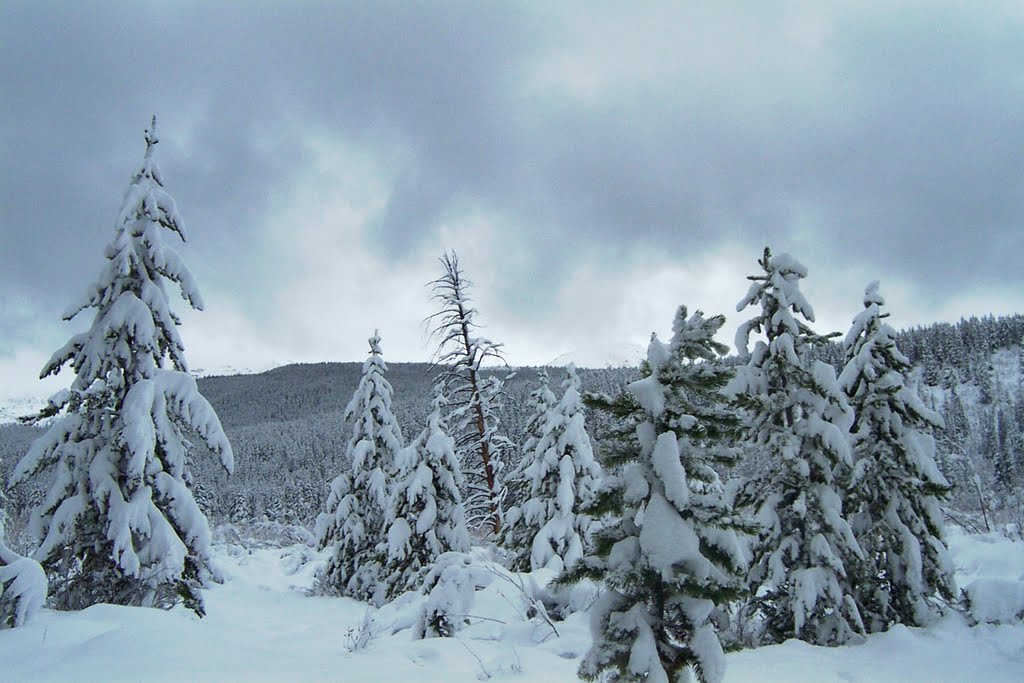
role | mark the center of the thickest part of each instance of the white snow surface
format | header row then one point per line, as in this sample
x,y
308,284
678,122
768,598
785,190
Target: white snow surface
x,y
618,354
262,626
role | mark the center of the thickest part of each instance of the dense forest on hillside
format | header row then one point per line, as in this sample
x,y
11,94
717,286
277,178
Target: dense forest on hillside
x,y
285,424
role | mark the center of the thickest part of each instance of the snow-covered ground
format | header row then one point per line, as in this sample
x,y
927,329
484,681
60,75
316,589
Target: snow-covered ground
x,y
262,626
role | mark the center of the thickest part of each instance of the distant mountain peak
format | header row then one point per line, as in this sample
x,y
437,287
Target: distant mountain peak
x,y
612,355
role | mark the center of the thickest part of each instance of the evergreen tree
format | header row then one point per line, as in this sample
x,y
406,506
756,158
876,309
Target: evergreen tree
x,y
562,476
798,412
1002,440
120,523
473,396
516,535
539,403
951,448
671,552
1017,443
896,487
426,512
359,499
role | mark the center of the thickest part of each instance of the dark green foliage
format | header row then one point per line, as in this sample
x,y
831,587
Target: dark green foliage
x,y
798,413
669,552
895,487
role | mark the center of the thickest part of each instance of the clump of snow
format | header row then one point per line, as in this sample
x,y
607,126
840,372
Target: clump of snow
x,y
985,556
667,540
23,584
23,588
995,601
451,589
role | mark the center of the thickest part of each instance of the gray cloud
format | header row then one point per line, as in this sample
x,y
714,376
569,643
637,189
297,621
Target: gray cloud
x,y
885,138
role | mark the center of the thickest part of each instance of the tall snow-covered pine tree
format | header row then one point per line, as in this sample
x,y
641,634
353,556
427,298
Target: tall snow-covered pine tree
x,y
539,403
426,517
357,506
798,412
120,523
896,486
561,479
672,552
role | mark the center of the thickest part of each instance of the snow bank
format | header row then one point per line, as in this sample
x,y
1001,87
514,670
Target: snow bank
x,y
263,626
995,601
990,556
991,569
948,652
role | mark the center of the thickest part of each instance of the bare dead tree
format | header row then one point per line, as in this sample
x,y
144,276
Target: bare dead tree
x,y
472,395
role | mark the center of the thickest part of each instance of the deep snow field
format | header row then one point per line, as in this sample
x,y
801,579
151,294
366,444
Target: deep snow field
x,y
263,626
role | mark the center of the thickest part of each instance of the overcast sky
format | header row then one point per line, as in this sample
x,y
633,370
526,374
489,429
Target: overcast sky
x,y
594,164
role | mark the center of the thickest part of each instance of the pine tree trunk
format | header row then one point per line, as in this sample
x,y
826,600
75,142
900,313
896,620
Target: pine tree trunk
x,y
485,450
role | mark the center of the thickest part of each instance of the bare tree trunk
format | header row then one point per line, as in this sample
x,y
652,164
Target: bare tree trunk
x,y
485,450
463,353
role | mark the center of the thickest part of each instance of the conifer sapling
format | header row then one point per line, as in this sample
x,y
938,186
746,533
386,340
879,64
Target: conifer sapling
x,y
895,486
357,507
671,551
802,566
426,517
562,478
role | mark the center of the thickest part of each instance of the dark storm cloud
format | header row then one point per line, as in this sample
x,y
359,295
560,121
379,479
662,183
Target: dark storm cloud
x,y
241,82
901,143
928,176
895,144
891,137
82,82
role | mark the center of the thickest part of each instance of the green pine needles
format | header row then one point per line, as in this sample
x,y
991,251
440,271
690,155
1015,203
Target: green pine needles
x,y
671,552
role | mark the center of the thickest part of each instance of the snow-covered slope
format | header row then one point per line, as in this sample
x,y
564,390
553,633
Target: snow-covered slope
x,y
262,626
622,354
15,407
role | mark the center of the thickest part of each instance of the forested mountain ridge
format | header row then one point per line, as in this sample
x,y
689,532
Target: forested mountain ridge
x,y
297,391
286,424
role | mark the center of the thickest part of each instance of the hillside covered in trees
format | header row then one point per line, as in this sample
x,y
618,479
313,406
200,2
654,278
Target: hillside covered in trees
x,y
285,424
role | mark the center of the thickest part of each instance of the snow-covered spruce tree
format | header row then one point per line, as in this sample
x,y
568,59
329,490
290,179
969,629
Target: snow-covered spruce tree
x,y
357,506
516,536
23,584
540,401
119,523
473,396
426,517
563,477
672,553
798,412
893,502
